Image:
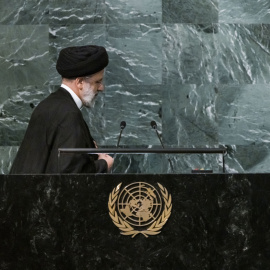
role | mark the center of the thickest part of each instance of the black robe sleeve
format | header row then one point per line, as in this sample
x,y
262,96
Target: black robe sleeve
x,y
72,132
56,123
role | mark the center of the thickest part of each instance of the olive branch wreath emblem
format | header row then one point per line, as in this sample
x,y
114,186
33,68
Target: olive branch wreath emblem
x,y
156,226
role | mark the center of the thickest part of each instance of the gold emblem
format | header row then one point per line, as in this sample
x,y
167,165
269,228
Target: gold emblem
x,y
140,208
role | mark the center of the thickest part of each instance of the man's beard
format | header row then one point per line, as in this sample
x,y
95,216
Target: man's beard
x,y
88,97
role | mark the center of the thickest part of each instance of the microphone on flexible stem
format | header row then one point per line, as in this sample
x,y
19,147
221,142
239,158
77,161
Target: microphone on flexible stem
x,y
154,126
122,126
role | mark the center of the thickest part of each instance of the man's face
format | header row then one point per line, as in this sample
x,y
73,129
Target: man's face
x,y
91,86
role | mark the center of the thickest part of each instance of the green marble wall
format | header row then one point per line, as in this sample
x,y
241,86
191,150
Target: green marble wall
x,y
200,69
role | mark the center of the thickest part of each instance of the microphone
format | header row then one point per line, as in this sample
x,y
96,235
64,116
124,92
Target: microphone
x,y
122,126
154,126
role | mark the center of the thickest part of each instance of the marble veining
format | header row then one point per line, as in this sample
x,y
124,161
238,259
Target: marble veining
x,y
244,11
200,69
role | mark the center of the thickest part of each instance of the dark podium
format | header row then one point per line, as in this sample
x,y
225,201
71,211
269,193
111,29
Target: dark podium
x,y
217,221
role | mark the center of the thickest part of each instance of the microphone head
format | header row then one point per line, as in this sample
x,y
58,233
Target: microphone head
x,y
153,124
122,124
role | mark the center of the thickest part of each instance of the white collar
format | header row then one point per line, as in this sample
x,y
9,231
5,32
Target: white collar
x,y
74,96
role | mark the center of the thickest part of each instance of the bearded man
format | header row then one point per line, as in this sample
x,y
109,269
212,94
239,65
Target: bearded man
x,y
57,121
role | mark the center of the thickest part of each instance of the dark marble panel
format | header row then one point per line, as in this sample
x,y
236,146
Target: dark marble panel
x,y
16,109
21,12
7,155
243,114
138,106
24,56
135,54
244,53
185,46
189,116
168,163
141,163
244,11
253,158
190,11
133,11
63,222
187,163
189,54
77,12
72,35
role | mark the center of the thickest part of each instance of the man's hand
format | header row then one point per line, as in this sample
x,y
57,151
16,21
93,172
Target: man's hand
x,y
108,159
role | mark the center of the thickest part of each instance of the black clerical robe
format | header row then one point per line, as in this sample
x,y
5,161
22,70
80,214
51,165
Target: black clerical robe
x,y
56,122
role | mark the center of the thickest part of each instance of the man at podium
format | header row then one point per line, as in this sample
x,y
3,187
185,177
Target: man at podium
x,y
57,121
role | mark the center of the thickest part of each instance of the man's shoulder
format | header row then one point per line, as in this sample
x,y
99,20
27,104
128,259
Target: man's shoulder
x,y
60,97
59,94
56,104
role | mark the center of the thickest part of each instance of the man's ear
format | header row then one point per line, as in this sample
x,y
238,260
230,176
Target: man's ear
x,y
79,83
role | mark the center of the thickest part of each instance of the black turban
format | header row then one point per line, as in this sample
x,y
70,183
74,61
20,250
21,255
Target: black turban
x,y
81,61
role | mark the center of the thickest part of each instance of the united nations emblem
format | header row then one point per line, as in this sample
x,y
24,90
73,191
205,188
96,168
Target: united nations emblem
x,y
140,208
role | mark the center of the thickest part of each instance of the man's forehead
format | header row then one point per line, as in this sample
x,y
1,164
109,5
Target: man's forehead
x,y
97,76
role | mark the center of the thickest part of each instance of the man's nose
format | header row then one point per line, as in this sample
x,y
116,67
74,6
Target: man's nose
x,y
101,87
